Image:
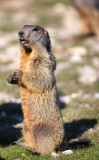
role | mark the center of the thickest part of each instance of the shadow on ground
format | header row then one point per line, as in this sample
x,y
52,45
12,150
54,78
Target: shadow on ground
x,y
10,115
2,158
76,128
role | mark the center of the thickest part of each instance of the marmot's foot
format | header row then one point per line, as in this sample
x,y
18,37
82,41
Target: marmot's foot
x,y
23,144
15,77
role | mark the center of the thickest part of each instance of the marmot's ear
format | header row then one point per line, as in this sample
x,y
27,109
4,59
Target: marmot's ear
x,y
45,32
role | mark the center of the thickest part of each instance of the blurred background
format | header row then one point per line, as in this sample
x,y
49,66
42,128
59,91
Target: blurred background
x,y
73,26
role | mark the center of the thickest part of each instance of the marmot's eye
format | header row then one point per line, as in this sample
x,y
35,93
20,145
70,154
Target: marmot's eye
x,y
35,29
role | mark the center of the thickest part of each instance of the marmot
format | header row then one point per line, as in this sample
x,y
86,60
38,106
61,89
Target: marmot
x,y
43,129
89,13
43,124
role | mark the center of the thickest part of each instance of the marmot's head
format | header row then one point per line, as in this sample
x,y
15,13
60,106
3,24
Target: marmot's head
x,y
31,35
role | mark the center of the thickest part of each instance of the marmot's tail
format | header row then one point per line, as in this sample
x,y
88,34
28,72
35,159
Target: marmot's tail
x,y
79,143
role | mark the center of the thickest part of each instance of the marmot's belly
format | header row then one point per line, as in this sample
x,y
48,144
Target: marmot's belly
x,y
40,107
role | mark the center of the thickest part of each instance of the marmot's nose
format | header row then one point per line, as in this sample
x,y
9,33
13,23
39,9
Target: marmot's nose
x,y
20,33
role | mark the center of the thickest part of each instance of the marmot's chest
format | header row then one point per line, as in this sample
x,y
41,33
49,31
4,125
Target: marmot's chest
x,y
24,61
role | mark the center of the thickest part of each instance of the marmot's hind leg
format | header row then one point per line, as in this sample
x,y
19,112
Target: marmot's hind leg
x,y
28,137
44,138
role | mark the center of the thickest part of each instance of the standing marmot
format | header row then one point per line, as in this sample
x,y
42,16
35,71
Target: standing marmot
x,y
43,129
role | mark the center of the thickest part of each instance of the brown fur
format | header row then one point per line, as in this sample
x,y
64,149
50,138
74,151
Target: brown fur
x,y
43,125
43,130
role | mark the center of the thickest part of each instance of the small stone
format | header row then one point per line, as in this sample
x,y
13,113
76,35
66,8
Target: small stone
x,y
96,95
67,152
75,59
54,154
75,95
81,51
65,99
23,154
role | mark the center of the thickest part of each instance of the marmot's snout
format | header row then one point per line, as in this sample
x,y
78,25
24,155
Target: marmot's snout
x,y
23,37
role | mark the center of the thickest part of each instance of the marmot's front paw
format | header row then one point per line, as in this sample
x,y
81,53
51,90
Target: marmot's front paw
x,y
15,77
12,79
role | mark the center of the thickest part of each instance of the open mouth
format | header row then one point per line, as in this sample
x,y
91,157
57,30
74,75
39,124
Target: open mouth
x,y
23,41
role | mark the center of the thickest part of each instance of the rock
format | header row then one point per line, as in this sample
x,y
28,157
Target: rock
x,y
23,154
65,99
67,152
54,154
81,51
96,95
88,75
75,95
75,59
